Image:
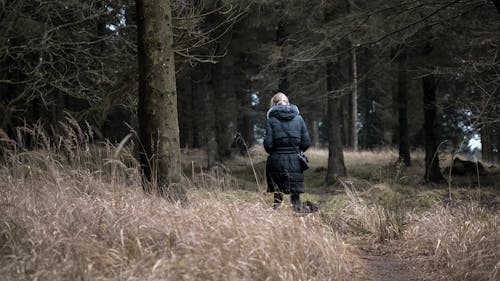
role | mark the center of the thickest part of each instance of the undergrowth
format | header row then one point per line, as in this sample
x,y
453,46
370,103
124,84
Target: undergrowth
x,y
74,210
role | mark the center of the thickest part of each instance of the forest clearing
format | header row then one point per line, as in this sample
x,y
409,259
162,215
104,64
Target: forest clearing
x,y
86,217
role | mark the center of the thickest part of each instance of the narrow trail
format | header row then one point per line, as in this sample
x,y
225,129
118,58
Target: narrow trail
x,y
375,264
380,262
384,268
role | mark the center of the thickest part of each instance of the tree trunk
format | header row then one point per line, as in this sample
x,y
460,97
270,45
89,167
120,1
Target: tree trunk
x,y
336,166
365,101
210,117
283,83
157,107
315,133
198,127
496,155
431,131
224,105
395,114
186,111
245,118
353,125
345,123
373,102
354,102
404,143
487,139
57,110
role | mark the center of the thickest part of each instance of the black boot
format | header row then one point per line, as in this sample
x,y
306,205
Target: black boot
x,y
295,198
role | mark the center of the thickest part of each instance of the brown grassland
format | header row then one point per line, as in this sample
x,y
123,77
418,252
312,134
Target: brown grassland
x,y
71,210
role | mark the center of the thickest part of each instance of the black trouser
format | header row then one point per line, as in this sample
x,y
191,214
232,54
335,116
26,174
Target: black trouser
x,y
294,198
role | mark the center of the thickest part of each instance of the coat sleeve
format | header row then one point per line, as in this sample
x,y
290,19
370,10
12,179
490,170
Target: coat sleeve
x,y
268,138
305,140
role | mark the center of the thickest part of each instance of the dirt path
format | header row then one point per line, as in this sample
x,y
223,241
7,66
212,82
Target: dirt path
x,y
380,262
385,268
377,265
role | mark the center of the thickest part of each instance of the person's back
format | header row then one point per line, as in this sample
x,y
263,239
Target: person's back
x,y
288,129
286,133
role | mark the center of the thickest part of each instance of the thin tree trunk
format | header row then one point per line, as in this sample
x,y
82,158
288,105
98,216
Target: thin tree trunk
x,y
371,131
487,139
245,118
198,105
315,134
346,114
496,155
186,111
210,117
395,114
404,143
336,166
224,105
354,102
283,83
157,108
353,135
431,131
57,110
374,103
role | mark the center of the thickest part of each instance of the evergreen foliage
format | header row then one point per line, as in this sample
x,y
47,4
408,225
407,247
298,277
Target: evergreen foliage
x,y
80,57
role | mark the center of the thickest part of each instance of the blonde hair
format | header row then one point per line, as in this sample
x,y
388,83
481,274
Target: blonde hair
x,y
279,97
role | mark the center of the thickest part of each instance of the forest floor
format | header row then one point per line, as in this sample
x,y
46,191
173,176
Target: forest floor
x,y
80,212
82,218
380,183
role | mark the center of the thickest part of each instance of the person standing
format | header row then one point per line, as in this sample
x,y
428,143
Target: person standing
x,y
286,133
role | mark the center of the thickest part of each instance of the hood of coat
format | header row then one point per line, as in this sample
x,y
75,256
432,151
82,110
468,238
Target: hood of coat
x,y
283,112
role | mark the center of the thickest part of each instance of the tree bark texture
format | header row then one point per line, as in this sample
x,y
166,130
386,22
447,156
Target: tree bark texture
x,y
489,141
224,105
353,140
346,109
371,134
403,136
209,115
315,133
336,166
395,112
431,130
354,102
157,108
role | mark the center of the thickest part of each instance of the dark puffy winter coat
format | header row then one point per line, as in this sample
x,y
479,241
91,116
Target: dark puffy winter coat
x,y
283,170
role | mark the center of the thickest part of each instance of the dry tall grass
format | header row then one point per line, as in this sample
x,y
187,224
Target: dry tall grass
x,y
73,210
383,222
460,243
381,157
72,214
